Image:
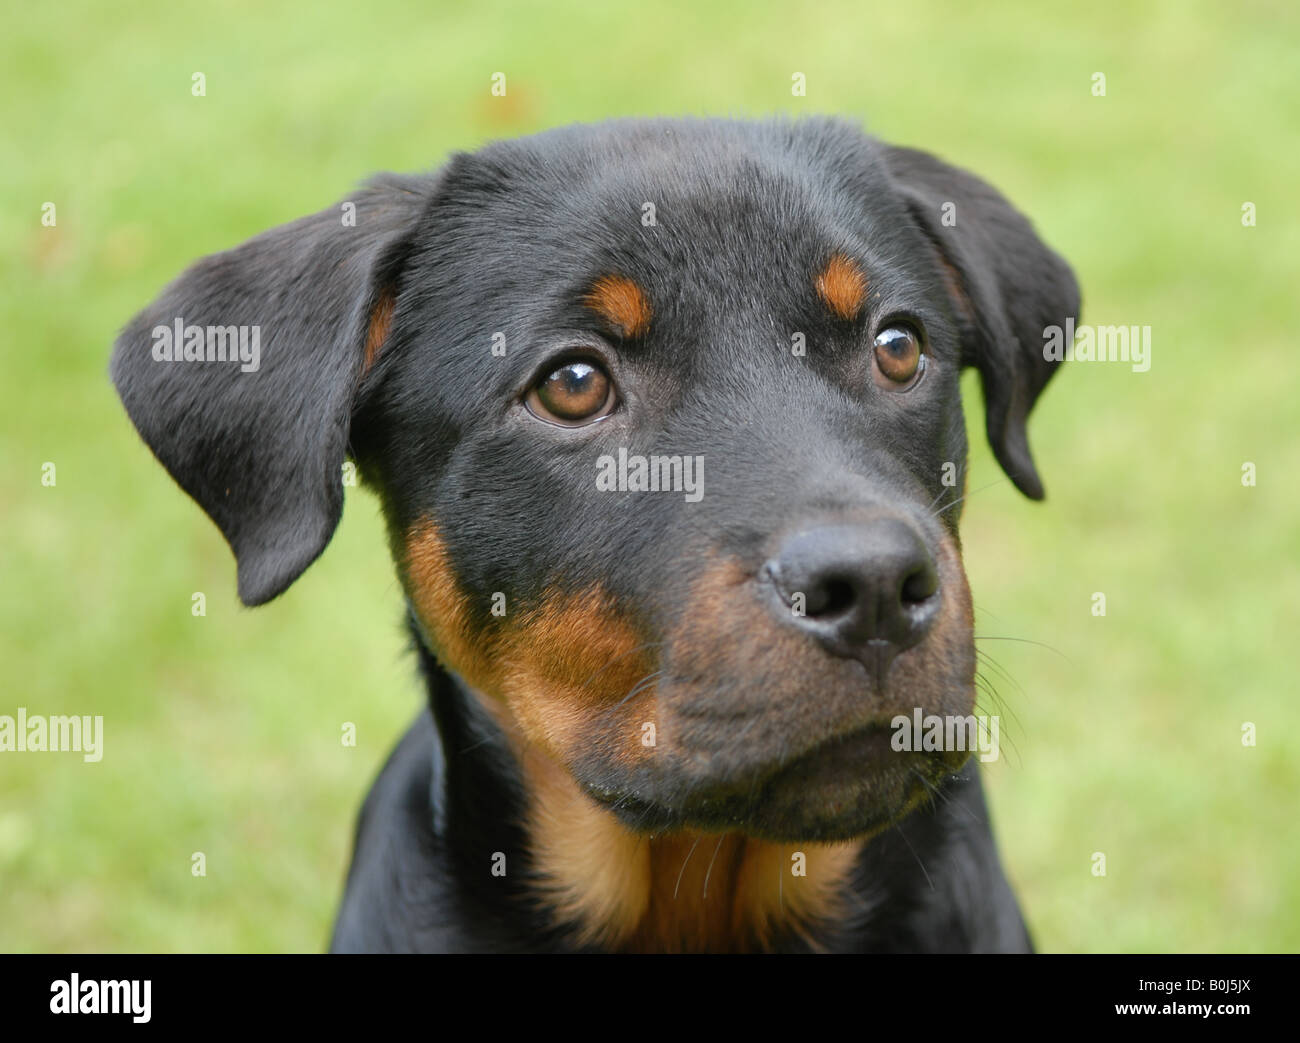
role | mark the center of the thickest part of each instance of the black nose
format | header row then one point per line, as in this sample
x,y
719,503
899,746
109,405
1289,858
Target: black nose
x,y
867,590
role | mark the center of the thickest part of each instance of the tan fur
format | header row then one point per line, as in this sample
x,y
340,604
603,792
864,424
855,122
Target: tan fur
x,y
381,321
843,287
685,892
443,611
560,668
622,303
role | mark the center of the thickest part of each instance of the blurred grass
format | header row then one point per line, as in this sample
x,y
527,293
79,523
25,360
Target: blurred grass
x,y
222,733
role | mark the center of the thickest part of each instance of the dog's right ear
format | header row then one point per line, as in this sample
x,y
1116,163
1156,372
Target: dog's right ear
x,y
259,440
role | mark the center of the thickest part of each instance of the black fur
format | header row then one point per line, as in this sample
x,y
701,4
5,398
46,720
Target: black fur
x,y
505,241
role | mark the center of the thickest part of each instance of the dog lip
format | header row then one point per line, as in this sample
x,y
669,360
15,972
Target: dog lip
x,y
738,804
830,744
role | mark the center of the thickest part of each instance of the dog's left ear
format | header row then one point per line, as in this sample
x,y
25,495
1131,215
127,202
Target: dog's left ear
x,y
1007,286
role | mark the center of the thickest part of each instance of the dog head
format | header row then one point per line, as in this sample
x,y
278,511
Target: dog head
x,y
665,421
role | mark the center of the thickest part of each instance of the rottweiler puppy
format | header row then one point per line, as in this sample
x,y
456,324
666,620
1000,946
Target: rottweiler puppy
x,y
664,419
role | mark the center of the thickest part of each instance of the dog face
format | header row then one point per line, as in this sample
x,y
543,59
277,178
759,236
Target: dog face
x,y
665,420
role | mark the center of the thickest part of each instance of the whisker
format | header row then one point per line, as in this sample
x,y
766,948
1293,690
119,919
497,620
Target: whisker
x,y
914,855
683,870
1003,672
939,794
709,872
952,504
1026,641
649,681
621,656
1004,705
983,685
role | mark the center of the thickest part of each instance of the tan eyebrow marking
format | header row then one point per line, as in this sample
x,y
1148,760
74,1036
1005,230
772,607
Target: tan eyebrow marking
x,y
842,286
622,303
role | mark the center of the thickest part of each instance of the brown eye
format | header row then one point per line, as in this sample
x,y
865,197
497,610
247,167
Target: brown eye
x,y
898,357
576,393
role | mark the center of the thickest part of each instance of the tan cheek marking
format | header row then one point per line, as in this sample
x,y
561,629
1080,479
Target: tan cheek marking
x,y
843,287
568,664
442,608
381,321
559,669
622,303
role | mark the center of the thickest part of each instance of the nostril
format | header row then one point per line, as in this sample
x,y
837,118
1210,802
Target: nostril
x,y
832,597
920,585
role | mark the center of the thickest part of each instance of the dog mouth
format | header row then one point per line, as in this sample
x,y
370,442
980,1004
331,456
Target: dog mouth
x,y
778,691
850,786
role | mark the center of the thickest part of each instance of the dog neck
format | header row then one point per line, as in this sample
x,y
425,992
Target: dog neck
x,y
677,892
599,885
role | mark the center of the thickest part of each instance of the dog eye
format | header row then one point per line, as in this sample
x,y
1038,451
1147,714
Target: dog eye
x,y
898,357
574,394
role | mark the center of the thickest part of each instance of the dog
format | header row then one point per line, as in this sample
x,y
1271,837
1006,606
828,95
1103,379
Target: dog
x,y
664,418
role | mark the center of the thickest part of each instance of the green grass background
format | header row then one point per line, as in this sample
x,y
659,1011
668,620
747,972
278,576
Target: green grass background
x,y
222,733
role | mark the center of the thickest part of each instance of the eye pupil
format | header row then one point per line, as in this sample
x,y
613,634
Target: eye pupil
x,y
898,353
573,392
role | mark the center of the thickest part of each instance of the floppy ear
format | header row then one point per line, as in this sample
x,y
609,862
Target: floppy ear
x,y
1007,286
259,440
